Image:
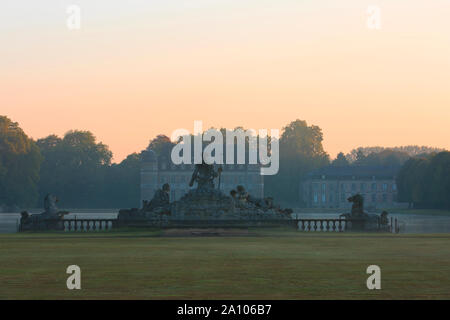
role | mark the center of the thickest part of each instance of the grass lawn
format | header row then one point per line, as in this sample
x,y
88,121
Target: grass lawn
x,y
267,265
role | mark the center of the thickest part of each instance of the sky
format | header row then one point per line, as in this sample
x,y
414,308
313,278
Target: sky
x,y
136,69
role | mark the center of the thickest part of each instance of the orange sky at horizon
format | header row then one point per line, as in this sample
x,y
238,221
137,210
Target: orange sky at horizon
x,y
132,72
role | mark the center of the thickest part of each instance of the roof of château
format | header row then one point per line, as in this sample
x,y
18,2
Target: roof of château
x,y
355,171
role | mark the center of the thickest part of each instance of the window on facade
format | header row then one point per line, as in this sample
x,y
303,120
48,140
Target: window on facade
x,y
324,187
374,197
384,186
331,198
316,198
323,198
342,187
384,197
353,187
394,187
374,187
342,197
363,186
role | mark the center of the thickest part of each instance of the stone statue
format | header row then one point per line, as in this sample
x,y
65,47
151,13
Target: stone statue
x,y
50,207
361,220
45,220
158,206
160,200
242,196
233,195
205,202
204,175
357,211
357,205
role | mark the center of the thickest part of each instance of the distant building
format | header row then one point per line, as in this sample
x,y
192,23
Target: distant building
x,y
330,187
157,171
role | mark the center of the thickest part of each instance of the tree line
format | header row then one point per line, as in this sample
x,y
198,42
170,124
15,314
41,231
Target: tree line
x,y
78,169
424,181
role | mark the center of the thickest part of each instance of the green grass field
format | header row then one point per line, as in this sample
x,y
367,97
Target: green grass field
x,y
266,265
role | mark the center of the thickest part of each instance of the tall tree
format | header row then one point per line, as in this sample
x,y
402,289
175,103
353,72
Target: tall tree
x,y
340,161
74,168
161,145
301,151
122,185
425,181
386,157
411,151
20,161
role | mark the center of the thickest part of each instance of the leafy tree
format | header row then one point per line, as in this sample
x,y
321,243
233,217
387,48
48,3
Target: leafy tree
x,y
161,145
301,151
412,151
74,168
439,180
122,183
425,181
360,157
340,161
20,161
383,158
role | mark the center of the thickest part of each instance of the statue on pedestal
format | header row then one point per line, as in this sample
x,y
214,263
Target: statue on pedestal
x,y
361,220
204,175
160,201
46,220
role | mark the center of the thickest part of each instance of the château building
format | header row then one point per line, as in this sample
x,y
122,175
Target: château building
x,y
329,187
155,171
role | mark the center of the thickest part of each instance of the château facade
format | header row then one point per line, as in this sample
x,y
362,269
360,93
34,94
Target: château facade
x,y
330,187
156,171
